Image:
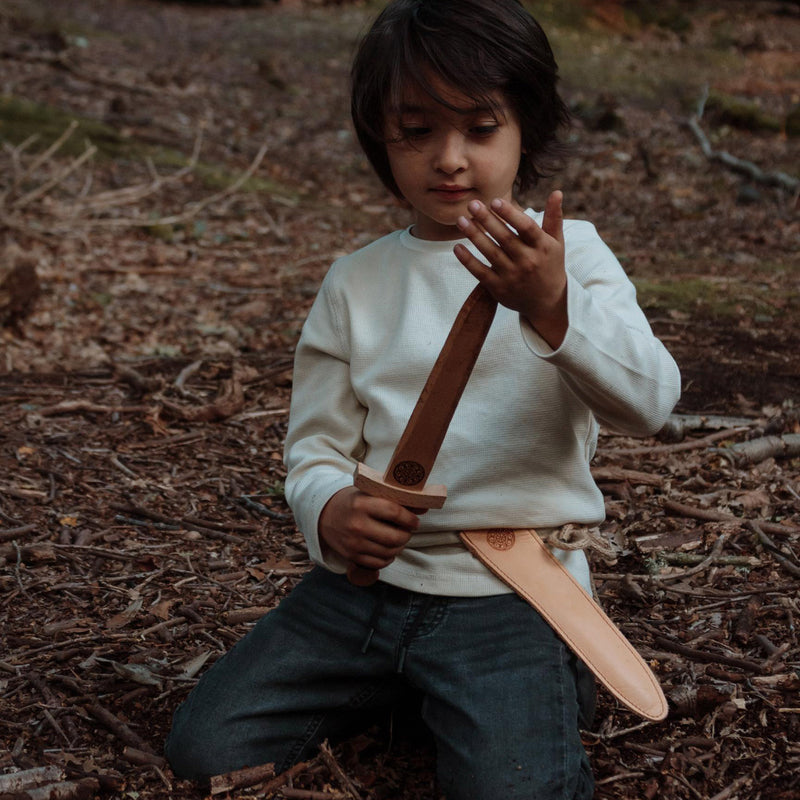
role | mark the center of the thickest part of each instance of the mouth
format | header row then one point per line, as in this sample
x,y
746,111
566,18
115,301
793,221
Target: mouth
x,y
451,192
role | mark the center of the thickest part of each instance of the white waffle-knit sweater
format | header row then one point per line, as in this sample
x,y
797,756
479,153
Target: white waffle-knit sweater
x,y
517,452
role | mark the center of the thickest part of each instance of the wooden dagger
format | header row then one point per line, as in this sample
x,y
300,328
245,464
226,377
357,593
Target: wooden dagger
x,y
405,479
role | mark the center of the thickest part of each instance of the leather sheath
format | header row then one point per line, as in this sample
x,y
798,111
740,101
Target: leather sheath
x,y
522,560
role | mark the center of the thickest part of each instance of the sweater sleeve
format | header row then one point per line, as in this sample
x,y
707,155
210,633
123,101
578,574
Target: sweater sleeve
x,y
609,358
325,422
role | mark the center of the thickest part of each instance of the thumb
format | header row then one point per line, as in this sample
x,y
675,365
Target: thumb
x,y
553,222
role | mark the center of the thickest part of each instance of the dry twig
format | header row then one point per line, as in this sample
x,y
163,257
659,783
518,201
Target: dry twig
x,y
780,179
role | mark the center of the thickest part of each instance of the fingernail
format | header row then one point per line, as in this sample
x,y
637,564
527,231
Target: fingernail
x,y
463,223
497,204
474,206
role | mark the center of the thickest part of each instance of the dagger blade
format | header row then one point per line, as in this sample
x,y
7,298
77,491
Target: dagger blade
x,y
406,476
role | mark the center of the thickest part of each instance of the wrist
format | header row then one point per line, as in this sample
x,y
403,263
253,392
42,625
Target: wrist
x,y
550,322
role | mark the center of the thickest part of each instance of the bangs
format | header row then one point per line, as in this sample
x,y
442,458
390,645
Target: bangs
x,y
422,63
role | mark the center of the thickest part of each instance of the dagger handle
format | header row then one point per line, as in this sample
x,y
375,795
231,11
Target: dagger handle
x,y
362,576
370,481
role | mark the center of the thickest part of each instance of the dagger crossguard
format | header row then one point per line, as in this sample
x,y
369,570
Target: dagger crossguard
x,y
372,482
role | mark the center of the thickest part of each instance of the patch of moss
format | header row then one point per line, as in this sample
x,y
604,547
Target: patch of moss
x,y
559,13
20,119
591,62
693,295
739,113
663,15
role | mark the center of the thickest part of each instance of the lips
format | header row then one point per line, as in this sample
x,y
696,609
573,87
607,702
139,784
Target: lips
x,y
451,192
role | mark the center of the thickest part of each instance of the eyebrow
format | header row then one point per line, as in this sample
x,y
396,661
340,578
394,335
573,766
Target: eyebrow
x,y
413,108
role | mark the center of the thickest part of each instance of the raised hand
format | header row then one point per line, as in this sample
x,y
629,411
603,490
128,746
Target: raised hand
x,y
527,272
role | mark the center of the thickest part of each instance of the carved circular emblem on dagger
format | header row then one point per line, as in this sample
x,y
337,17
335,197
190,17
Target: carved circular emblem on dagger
x,y
501,540
409,473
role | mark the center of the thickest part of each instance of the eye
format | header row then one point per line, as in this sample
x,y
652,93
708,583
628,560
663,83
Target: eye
x,y
486,129
414,131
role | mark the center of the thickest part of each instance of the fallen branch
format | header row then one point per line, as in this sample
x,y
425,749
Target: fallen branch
x,y
41,158
47,186
757,450
229,402
185,522
251,614
678,425
709,658
780,179
730,790
188,213
769,545
712,515
19,781
336,770
9,534
689,559
694,444
82,789
706,562
132,194
612,473
75,406
38,553
260,508
120,729
241,778
284,778
142,758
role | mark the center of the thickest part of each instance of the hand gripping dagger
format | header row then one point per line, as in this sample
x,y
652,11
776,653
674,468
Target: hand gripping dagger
x,y
532,571
405,478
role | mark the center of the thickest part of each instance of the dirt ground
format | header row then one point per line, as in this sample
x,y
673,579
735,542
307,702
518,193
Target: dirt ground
x,y
144,393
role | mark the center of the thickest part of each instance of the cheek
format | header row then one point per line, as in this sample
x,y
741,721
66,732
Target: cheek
x,y
404,169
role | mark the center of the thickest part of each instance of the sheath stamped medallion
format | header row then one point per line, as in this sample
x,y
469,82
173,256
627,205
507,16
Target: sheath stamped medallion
x,y
502,539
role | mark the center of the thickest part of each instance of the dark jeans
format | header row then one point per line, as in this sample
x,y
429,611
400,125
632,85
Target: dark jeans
x,y
502,695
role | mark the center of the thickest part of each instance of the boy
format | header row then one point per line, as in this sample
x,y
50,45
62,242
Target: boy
x,y
455,104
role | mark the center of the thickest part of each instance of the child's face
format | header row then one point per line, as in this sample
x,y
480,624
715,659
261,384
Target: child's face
x,y
443,159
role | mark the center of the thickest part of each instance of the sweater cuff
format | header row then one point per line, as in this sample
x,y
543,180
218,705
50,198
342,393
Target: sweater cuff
x,y
535,343
309,526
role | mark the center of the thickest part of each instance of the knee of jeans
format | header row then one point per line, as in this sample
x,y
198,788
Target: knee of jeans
x,y
191,748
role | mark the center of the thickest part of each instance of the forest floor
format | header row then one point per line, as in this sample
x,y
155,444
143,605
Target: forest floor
x,y
144,394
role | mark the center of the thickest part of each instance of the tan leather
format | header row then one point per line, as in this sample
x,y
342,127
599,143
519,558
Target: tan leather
x,y
525,563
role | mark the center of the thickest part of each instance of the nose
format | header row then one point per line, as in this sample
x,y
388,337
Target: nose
x,y
450,156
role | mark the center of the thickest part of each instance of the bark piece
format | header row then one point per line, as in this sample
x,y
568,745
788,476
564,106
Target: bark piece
x,y
19,285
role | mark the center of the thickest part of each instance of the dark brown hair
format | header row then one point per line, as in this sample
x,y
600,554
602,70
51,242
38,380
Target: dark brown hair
x,y
477,47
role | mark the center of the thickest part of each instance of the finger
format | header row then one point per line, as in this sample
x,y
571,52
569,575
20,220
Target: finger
x,y
385,543
394,514
369,553
494,234
483,274
528,233
476,232
553,222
